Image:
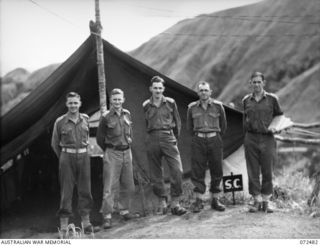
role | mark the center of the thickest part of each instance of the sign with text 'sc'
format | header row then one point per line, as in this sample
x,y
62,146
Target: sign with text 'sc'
x,y
232,183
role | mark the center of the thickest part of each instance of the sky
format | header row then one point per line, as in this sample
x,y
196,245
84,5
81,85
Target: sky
x,y
36,33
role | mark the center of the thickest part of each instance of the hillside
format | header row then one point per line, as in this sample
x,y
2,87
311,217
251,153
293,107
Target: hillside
x,y
300,98
18,83
279,38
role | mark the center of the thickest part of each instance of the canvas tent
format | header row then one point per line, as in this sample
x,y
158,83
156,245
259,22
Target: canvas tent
x,y
28,125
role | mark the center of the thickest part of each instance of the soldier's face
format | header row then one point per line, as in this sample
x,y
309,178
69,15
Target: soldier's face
x,y
157,89
257,84
117,100
204,92
73,104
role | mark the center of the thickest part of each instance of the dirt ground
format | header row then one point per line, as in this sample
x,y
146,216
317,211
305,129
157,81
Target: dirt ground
x,y
234,223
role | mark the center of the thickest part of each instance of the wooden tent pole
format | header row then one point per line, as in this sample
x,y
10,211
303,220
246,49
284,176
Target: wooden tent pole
x,y
100,60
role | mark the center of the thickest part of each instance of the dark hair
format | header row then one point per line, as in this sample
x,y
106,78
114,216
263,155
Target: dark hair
x,y
257,74
116,91
157,79
73,94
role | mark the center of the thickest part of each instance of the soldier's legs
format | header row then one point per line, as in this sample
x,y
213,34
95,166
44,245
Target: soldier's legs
x,y
84,184
267,158
112,165
172,155
156,170
215,154
198,164
252,155
126,181
67,169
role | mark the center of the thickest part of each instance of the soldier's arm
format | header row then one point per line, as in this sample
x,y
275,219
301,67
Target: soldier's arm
x,y
223,120
189,121
101,133
177,119
144,106
244,117
276,107
55,140
131,129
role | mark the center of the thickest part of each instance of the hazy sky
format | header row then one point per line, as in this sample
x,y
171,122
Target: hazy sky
x,y
36,33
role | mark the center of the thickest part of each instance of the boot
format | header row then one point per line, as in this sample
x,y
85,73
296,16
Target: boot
x,y
197,206
178,210
216,205
130,216
87,226
107,223
257,206
266,208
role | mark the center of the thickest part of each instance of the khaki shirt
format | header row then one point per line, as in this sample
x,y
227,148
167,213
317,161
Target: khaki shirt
x,y
213,119
164,117
115,129
258,115
67,134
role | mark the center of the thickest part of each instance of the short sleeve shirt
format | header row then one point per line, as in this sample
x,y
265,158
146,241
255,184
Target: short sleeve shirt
x,y
115,129
164,117
259,114
213,119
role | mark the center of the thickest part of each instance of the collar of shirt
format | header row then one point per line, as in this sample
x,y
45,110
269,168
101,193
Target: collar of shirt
x,y
210,101
163,100
68,118
113,111
264,94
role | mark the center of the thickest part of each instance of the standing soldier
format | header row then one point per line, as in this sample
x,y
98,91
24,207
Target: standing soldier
x,y
114,136
163,128
260,107
69,142
206,121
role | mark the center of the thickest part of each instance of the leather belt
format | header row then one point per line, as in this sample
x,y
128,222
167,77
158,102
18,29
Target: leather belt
x,y
161,130
261,133
206,134
74,151
118,147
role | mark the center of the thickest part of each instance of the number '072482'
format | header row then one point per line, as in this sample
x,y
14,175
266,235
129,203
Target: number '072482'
x,y
311,241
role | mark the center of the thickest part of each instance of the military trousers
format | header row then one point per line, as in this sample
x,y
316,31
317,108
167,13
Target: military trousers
x,y
206,153
117,177
74,170
163,144
260,154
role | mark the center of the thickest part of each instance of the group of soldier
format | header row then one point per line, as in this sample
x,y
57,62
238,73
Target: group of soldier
x,y
206,122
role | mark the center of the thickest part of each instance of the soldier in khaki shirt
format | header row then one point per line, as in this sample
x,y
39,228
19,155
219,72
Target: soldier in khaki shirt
x,y
260,107
163,128
69,142
114,136
206,121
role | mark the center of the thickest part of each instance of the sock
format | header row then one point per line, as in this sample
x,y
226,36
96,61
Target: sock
x,y
175,202
215,195
265,198
85,220
198,195
64,223
107,216
123,212
162,202
258,198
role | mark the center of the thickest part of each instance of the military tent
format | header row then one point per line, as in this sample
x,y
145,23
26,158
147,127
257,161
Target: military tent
x,y
26,129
